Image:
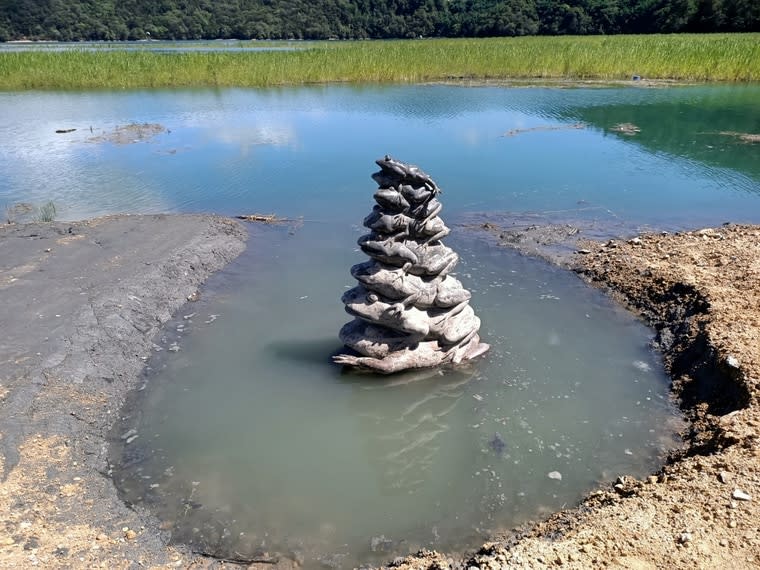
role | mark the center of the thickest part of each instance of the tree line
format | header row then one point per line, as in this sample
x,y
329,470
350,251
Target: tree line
x,y
76,20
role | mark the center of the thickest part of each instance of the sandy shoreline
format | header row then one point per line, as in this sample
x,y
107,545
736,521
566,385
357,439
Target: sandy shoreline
x,y
82,302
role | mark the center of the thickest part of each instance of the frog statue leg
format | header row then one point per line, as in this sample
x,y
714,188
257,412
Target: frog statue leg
x,y
438,236
426,354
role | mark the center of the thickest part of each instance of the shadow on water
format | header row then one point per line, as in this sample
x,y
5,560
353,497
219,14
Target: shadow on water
x,y
306,351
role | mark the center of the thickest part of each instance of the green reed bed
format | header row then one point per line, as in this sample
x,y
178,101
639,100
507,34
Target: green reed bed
x,y
690,57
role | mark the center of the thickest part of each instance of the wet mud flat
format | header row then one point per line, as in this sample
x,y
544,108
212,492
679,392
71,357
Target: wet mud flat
x,y
83,303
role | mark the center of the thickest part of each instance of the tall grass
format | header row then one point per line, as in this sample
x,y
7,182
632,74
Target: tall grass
x,y
691,57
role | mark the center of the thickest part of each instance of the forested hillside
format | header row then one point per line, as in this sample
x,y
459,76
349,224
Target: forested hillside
x,y
70,20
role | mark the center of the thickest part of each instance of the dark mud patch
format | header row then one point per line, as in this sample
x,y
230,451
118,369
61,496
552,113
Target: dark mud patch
x,y
82,301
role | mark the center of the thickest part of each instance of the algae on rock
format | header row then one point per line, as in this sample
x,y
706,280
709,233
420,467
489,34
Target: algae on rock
x,y
409,311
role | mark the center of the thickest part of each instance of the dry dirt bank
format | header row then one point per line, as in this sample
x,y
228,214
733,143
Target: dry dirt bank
x,y
700,290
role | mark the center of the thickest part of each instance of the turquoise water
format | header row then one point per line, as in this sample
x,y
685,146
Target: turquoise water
x,y
298,151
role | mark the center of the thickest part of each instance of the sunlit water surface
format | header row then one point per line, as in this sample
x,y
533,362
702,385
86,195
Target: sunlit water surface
x,y
249,443
301,151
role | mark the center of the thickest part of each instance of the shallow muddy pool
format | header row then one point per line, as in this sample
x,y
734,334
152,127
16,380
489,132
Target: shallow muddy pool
x,y
249,444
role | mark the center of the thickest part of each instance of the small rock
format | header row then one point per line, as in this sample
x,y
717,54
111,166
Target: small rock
x,y
684,537
102,537
740,495
554,475
584,251
732,524
380,544
724,477
733,362
723,542
129,534
128,434
635,241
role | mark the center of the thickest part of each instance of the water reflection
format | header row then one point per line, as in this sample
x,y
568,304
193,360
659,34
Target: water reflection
x,y
298,151
402,447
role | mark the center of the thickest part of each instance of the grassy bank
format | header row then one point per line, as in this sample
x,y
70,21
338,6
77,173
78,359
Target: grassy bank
x,y
714,57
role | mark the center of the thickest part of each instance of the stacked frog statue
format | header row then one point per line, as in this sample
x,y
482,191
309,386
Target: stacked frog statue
x,y
410,312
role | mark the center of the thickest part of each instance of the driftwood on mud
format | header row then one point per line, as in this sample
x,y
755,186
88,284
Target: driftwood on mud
x,y
263,218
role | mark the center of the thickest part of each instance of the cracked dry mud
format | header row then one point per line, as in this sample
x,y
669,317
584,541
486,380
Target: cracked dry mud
x,y
81,303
